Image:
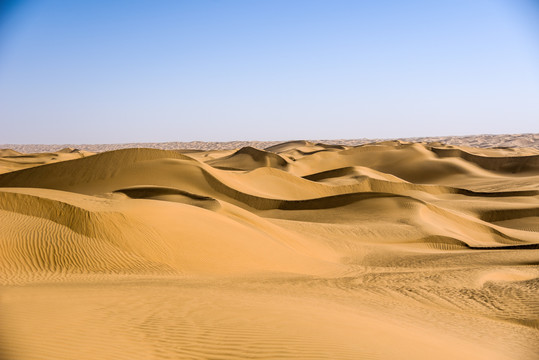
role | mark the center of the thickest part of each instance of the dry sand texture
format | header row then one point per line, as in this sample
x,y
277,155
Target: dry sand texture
x,y
384,251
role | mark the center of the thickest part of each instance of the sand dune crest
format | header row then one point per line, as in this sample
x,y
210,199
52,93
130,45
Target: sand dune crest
x,y
300,250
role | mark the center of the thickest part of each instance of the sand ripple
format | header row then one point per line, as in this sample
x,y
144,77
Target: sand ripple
x,y
390,250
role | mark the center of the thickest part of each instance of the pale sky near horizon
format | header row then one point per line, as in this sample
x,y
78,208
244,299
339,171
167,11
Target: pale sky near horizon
x,y
144,71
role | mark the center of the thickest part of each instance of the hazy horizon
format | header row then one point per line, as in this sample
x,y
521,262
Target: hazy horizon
x,y
283,140
139,71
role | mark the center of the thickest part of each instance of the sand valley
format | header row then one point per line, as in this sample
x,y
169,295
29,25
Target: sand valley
x,y
388,250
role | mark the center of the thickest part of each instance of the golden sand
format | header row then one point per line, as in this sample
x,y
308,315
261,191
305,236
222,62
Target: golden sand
x,y
391,250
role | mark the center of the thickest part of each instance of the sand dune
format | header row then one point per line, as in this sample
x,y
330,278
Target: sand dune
x,y
11,160
389,250
249,158
506,141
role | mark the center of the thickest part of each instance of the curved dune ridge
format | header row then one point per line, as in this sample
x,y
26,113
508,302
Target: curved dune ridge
x,y
300,250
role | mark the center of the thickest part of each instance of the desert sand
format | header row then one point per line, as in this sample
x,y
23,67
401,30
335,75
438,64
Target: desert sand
x,y
529,140
387,250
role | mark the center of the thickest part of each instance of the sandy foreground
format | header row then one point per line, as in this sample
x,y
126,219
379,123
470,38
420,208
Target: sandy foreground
x,y
389,250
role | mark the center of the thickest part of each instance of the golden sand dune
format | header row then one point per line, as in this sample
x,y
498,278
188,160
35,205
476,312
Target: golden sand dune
x,y
508,142
11,160
391,250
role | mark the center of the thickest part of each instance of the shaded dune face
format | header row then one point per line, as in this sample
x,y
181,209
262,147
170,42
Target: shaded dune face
x,y
249,158
377,235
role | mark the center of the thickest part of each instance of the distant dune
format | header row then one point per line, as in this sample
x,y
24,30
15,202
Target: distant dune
x,y
481,141
304,249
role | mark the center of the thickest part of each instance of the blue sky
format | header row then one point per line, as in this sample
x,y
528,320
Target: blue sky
x,y
137,71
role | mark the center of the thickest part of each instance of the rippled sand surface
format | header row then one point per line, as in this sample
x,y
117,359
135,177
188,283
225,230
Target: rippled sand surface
x,y
390,250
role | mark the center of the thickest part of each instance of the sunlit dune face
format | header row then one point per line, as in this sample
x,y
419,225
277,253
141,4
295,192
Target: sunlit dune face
x,y
299,251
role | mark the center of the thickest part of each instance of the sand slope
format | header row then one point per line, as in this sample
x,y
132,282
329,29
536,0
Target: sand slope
x,y
391,250
11,160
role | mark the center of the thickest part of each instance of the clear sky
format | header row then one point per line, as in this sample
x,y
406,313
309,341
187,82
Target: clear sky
x,y
90,71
